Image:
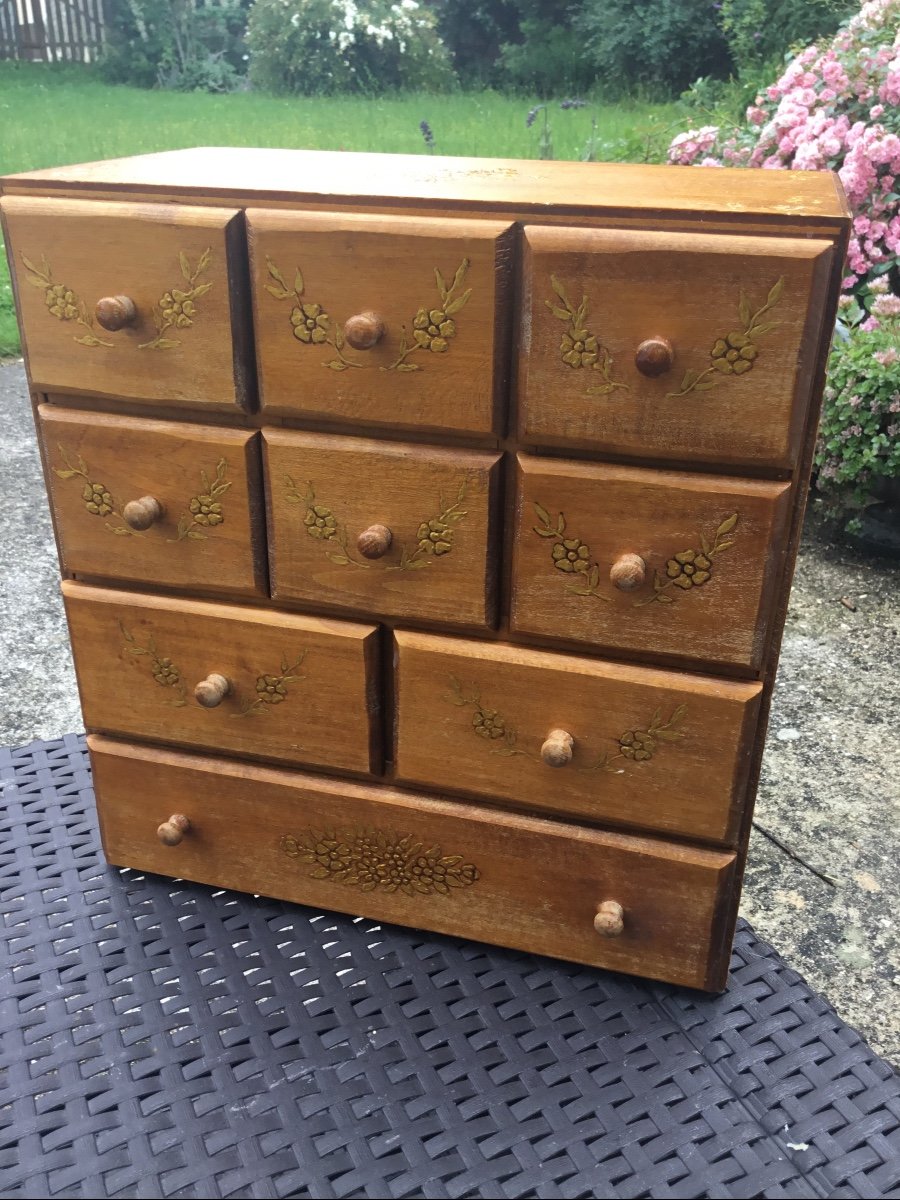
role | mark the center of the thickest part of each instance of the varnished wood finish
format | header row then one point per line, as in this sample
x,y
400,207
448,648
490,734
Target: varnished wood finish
x,y
301,689
476,718
660,517
175,464
690,289
88,248
588,312
324,492
536,884
349,264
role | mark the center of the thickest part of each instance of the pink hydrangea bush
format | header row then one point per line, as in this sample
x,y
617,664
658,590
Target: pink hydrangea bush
x,y
837,107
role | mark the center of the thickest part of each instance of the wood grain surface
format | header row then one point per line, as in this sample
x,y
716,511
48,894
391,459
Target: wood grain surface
x,y
302,689
442,563
698,292
454,868
442,362
182,267
707,593
206,481
658,750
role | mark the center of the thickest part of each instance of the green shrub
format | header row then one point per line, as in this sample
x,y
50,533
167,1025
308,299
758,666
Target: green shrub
x,y
859,437
658,47
761,32
550,58
474,32
181,44
321,47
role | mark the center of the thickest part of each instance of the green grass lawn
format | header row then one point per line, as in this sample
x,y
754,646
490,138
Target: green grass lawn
x,y
56,115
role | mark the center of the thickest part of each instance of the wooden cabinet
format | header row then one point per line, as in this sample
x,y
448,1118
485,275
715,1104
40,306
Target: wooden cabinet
x,y
427,525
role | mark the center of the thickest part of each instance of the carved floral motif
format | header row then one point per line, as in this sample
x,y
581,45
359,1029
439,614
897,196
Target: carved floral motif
x,y
580,348
433,538
62,303
433,326
272,689
373,860
163,669
177,308
634,745
736,352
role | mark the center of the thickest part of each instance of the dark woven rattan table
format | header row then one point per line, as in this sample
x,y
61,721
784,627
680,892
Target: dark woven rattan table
x,y
167,1039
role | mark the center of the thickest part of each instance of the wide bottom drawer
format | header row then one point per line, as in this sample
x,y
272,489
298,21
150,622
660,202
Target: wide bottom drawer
x,y
642,906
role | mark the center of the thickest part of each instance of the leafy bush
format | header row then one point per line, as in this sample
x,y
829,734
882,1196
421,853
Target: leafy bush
x,y
548,54
762,31
859,437
474,32
659,46
320,47
181,44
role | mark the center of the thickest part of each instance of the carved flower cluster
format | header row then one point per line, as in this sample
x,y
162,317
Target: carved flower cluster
x,y
734,354
61,302
435,537
165,672
689,568
97,499
571,554
271,689
433,329
638,746
373,860
206,511
310,324
488,723
320,522
178,308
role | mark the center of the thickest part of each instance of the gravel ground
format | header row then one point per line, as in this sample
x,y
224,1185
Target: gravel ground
x,y
823,875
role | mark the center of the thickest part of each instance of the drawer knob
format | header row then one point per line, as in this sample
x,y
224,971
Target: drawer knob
x,y
140,514
212,690
375,541
654,356
628,572
115,312
610,918
172,831
557,749
364,330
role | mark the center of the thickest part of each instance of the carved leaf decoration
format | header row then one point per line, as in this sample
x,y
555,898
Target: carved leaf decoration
x,y
727,525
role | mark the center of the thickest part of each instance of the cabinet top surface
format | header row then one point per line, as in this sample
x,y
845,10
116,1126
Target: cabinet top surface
x,y
313,176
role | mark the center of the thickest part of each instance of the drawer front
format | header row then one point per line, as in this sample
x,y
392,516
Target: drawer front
x,y
159,502
382,527
653,562
396,321
135,301
611,742
532,884
249,681
670,346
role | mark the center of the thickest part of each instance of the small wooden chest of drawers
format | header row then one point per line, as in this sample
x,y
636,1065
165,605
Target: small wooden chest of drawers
x,y
427,525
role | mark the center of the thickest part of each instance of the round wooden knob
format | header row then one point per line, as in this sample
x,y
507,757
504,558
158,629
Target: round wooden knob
x,y
557,749
115,312
212,690
610,919
364,331
140,514
628,572
654,356
172,831
374,541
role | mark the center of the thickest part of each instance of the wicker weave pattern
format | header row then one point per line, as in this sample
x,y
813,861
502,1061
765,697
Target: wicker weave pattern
x,y
164,1039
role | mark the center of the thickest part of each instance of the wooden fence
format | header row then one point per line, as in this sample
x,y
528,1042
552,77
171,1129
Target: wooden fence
x,y
51,30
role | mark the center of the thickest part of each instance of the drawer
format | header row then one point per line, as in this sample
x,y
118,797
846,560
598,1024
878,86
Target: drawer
x,y
647,562
670,345
528,883
134,301
612,742
159,502
247,681
382,527
373,320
